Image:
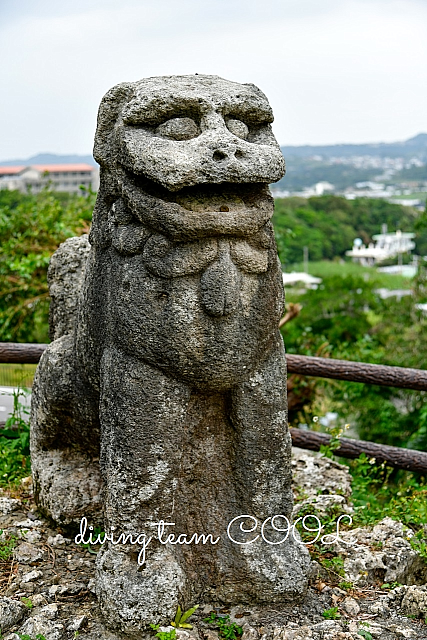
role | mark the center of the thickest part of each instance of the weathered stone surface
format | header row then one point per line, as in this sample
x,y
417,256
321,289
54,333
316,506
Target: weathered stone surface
x,y
31,536
64,439
11,612
249,633
323,505
412,600
28,523
98,632
69,485
76,623
350,606
65,276
213,146
50,611
42,624
314,473
176,367
26,553
8,505
65,422
300,633
58,540
31,576
322,486
383,611
382,552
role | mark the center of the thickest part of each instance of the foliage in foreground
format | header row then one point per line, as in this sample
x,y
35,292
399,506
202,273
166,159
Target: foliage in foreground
x,y
31,229
179,622
15,443
378,492
345,318
331,614
226,629
7,545
181,617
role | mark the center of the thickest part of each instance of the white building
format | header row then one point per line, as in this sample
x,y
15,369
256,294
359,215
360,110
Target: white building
x,y
300,277
387,245
62,177
323,187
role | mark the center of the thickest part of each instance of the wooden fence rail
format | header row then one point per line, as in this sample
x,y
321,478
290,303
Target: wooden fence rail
x,y
27,353
401,377
397,457
380,374
21,353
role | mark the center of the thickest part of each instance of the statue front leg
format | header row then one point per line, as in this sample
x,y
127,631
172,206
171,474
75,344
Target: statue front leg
x,y
276,572
142,413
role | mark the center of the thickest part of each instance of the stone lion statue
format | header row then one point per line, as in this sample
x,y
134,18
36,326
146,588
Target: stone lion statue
x,y
163,394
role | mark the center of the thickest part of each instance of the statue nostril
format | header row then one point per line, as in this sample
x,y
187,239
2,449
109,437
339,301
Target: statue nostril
x,y
219,155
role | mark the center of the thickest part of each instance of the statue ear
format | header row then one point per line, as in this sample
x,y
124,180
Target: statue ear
x,y
108,112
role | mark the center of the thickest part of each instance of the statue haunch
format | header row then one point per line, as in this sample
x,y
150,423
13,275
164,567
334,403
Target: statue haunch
x,y
172,365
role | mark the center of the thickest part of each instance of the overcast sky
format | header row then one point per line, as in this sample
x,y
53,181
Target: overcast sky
x,y
334,70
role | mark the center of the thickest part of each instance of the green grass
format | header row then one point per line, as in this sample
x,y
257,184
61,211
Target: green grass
x,y
327,268
226,629
331,614
15,443
378,491
7,546
17,375
422,195
28,603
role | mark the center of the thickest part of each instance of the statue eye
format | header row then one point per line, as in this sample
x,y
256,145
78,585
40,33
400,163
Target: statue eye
x,y
238,128
178,129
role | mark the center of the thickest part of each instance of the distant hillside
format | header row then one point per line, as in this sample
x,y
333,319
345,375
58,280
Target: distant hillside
x,y
345,165
50,158
416,146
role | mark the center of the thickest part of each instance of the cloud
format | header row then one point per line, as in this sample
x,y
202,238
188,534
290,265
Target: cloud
x,y
334,70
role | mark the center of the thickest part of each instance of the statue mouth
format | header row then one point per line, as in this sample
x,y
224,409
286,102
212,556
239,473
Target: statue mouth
x,y
219,198
199,211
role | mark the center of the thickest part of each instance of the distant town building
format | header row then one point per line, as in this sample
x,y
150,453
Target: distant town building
x,y
387,246
318,189
393,293
374,186
323,187
61,177
405,270
300,277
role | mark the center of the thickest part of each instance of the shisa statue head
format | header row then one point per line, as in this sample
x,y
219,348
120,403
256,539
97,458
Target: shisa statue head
x,y
184,200
201,143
